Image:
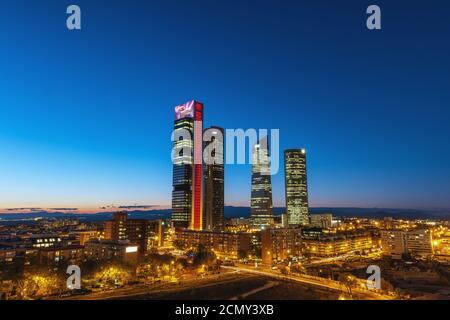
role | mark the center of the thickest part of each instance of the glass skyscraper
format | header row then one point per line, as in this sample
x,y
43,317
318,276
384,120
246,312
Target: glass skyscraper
x,y
187,193
213,209
261,194
296,187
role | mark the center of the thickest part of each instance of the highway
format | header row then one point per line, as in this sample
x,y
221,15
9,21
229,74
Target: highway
x,y
310,280
234,273
136,290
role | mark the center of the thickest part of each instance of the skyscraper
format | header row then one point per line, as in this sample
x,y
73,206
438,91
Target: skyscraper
x,y
261,195
296,188
213,213
187,191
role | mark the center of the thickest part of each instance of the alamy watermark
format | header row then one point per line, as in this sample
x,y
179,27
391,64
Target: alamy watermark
x,y
374,280
374,20
73,21
240,147
74,279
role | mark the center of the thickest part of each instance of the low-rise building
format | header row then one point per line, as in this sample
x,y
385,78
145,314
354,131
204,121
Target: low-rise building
x,y
85,236
105,250
228,244
393,243
71,254
322,220
280,244
45,240
20,256
331,245
144,233
7,255
416,242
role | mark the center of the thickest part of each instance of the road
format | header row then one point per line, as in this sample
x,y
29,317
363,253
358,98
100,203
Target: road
x,y
268,285
239,286
230,278
136,290
314,281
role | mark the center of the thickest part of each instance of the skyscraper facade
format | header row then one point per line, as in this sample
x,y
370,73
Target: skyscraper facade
x,y
261,194
187,193
213,213
296,188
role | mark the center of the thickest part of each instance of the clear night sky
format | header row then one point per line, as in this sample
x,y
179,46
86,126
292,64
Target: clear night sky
x,y
86,116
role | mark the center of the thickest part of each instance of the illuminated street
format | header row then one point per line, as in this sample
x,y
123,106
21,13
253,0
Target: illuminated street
x,y
315,281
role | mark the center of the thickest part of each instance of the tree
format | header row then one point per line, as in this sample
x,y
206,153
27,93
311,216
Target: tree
x,y
113,275
203,255
39,283
349,281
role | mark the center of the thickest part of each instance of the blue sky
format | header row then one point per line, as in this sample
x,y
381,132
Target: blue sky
x,y
86,115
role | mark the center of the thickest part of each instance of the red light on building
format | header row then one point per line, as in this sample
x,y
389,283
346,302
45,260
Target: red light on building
x,y
197,192
187,194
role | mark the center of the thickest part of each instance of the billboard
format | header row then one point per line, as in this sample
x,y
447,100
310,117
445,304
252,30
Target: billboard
x,y
185,110
131,249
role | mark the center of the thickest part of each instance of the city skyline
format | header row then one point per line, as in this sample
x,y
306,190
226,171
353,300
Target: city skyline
x,y
69,145
224,159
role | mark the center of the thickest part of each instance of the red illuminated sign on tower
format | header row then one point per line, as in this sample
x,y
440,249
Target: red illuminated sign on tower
x,y
185,110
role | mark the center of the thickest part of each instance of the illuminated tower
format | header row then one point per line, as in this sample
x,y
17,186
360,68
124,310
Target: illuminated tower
x,y
213,209
296,187
261,197
187,191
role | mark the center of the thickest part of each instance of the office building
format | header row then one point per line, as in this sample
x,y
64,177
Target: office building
x,y
213,209
261,193
187,193
296,186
